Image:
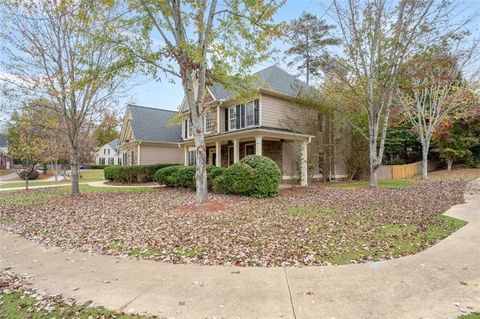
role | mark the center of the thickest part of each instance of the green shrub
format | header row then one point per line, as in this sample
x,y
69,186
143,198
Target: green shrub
x,y
166,175
184,176
255,176
134,173
111,173
98,166
32,176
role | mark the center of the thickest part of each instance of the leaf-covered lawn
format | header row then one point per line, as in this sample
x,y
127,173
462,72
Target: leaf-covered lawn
x,y
20,300
311,226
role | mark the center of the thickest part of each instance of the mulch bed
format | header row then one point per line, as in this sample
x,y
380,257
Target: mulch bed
x,y
303,226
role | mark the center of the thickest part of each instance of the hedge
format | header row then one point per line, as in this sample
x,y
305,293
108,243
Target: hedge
x,y
254,176
134,173
184,176
98,166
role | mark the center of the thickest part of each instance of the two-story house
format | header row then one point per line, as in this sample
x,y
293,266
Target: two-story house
x,y
147,137
269,124
108,154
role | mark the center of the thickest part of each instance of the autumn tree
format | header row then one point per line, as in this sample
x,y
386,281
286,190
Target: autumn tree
x,y
25,143
201,42
309,37
107,130
434,89
58,50
377,37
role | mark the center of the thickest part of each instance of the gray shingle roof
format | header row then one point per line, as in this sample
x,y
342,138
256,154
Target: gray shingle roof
x,y
272,78
113,144
3,140
150,124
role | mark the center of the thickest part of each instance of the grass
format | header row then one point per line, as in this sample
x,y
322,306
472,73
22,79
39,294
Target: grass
x,y
404,239
473,315
39,196
4,172
395,184
17,305
139,252
87,176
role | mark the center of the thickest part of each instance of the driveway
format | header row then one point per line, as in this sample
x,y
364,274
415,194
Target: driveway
x,y
441,282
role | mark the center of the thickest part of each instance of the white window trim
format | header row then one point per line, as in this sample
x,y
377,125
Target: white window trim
x,y
192,149
234,107
247,144
189,132
230,120
252,102
205,123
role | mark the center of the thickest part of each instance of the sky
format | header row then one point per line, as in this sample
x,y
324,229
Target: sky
x,y
167,95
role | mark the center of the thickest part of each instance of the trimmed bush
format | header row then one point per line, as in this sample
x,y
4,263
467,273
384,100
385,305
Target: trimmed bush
x,y
98,166
184,176
134,173
32,176
111,173
254,176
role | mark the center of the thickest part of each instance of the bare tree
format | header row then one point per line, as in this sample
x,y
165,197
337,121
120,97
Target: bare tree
x,y
201,43
58,50
378,35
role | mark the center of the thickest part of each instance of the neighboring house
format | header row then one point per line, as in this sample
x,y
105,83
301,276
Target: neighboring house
x,y
270,125
5,159
108,154
148,138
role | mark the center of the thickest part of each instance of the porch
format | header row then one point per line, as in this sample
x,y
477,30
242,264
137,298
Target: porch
x,y
284,147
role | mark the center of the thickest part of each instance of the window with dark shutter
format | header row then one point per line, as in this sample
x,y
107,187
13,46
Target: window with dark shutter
x,y
242,116
237,116
226,120
257,112
186,129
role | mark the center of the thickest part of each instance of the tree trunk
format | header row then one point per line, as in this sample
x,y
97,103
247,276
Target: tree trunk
x,y
449,165
373,162
201,169
74,163
26,182
424,161
55,170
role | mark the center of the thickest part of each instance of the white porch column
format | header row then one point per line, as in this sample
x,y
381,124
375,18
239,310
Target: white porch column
x,y
236,150
218,151
303,166
138,154
185,148
258,145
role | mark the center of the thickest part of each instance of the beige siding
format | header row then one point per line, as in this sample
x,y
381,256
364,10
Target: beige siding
x,y
281,113
153,154
131,160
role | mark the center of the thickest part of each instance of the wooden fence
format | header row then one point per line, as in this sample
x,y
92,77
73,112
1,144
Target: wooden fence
x,y
403,171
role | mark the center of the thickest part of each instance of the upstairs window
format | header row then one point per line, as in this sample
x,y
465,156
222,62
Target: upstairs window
x,y
189,129
250,114
232,116
208,122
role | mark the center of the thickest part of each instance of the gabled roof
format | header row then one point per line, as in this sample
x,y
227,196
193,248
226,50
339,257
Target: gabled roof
x,y
151,124
113,144
272,78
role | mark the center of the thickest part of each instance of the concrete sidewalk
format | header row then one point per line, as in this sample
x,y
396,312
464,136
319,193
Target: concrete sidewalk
x,y
441,282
